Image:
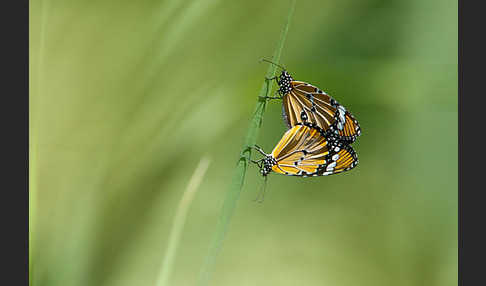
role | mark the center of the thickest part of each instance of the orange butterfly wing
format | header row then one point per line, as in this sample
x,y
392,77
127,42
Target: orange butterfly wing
x,y
305,103
304,151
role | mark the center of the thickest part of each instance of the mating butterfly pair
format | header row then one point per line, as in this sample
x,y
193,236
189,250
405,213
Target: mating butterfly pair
x,y
320,131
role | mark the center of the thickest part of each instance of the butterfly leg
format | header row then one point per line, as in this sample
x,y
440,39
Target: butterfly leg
x,y
276,78
276,94
256,147
274,97
258,163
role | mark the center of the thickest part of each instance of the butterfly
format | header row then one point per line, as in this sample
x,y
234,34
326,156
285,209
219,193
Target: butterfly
x,y
305,103
304,151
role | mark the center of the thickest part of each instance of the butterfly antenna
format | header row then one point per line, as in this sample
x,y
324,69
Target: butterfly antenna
x,y
261,194
265,60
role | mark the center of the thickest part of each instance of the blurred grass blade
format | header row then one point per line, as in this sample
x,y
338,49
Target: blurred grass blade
x,y
33,131
179,221
234,190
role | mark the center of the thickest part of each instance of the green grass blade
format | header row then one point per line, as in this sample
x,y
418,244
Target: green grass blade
x,y
238,179
33,132
179,221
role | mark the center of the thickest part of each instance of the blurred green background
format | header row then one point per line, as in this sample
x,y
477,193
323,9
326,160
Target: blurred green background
x,y
127,96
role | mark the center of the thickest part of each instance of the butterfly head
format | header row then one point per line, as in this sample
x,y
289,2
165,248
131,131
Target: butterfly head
x,y
268,163
284,82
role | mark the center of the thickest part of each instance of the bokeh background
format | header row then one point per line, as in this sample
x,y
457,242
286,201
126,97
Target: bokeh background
x,y
127,96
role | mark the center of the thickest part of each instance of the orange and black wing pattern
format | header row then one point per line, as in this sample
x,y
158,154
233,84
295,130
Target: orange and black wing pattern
x,y
345,159
305,103
304,151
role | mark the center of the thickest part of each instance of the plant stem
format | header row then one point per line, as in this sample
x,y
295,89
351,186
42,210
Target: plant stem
x,y
238,179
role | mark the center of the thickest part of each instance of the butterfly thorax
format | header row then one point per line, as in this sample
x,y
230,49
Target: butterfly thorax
x,y
268,163
284,82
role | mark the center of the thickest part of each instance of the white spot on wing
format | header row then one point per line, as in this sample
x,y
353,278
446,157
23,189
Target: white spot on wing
x,y
339,125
